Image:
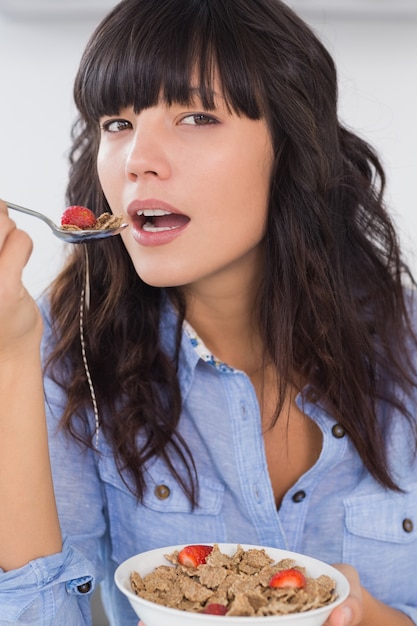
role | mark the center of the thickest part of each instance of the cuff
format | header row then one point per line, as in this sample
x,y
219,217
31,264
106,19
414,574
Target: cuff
x,y
45,582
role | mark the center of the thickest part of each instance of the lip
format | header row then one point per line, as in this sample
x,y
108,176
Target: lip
x,y
152,238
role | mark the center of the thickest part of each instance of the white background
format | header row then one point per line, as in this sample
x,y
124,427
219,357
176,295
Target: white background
x,y
377,61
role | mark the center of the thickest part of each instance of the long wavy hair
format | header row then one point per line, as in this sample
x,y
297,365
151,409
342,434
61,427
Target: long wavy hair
x,y
332,308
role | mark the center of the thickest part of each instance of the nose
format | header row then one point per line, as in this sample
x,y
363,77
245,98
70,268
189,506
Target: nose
x,y
148,150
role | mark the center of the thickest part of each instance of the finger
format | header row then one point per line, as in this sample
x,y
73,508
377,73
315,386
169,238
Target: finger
x,y
21,243
15,251
6,227
342,616
14,254
350,612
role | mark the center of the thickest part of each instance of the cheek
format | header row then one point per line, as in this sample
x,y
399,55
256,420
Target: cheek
x,y
253,185
103,166
110,166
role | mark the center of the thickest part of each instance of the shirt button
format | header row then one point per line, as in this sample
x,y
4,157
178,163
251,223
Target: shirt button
x,y
162,492
243,410
85,588
408,525
338,431
299,496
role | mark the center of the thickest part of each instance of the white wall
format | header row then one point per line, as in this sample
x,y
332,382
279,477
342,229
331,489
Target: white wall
x,y
38,61
377,60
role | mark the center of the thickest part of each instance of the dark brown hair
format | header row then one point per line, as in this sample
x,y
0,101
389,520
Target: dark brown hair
x,y
331,303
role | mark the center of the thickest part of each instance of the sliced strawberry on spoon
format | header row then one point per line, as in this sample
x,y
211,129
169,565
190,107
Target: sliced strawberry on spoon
x,y
78,216
194,555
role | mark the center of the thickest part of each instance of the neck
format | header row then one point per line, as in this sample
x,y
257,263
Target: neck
x,y
225,317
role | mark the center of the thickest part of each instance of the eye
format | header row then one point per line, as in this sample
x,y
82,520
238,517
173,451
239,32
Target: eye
x,y
115,125
199,119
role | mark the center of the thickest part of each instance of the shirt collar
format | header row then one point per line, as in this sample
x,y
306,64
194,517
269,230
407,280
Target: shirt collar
x,y
202,351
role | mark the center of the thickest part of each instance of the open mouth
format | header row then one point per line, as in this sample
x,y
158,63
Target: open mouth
x,y
158,220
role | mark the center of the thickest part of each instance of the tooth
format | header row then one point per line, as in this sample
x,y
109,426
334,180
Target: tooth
x,y
160,212
153,212
150,228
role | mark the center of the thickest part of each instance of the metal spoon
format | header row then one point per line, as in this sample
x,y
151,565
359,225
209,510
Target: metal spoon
x,y
69,236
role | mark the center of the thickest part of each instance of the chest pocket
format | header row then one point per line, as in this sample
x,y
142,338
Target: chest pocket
x,y
165,517
381,542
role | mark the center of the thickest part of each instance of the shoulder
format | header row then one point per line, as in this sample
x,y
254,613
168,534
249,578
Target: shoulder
x,y
410,297
45,309
44,305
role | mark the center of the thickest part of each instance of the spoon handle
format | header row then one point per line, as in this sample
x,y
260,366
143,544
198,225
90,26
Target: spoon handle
x,y
40,216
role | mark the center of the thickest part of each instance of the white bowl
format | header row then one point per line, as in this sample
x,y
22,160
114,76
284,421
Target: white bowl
x,y
156,615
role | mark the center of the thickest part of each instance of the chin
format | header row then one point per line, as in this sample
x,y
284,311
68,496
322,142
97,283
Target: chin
x,y
161,271
161,279
161,283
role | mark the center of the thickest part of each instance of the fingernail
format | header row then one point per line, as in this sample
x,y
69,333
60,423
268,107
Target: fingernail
x,y
347,615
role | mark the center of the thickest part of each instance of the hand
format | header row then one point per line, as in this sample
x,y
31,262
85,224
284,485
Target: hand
x,y
19,315
350,612
25,467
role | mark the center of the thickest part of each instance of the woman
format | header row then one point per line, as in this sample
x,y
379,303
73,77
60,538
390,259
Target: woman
x,y
238,365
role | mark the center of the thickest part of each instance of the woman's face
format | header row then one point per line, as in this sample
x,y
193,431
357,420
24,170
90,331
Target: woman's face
x,y
193,185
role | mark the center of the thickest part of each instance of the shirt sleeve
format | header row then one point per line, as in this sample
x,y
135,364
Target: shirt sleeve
x,y
47,589
55,589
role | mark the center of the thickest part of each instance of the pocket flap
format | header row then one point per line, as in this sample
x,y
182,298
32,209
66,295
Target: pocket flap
x,y
163,493
386,516
210,496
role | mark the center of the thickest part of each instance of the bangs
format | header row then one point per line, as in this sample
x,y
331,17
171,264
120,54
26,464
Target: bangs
x,y
147,50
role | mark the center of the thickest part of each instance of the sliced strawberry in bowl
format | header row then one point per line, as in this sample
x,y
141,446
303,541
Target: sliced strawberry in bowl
x,y
215,609
288,578
194,555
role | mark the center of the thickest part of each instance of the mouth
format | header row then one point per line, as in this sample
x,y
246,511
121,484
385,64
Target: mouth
x,y
160,220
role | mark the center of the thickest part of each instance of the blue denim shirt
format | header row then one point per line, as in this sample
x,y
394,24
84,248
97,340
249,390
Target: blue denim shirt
x,y
335,512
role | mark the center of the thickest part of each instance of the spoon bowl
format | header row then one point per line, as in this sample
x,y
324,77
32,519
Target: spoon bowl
x,y
70,236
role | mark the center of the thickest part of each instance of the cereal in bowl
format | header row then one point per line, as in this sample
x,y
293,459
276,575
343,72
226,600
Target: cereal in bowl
x,y
248,583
